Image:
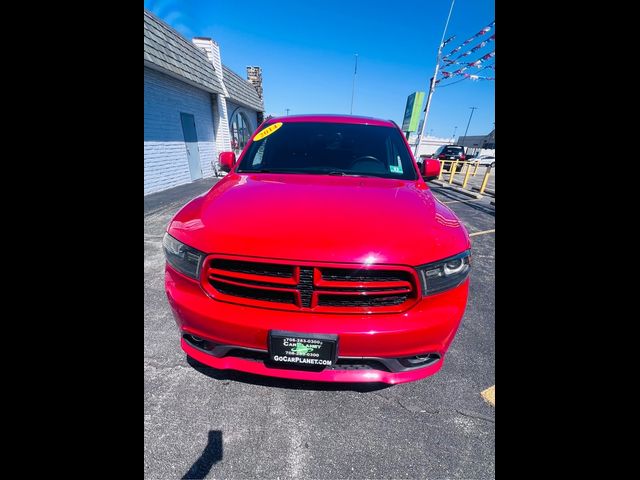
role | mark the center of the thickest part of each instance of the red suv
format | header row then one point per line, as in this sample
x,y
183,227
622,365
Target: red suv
x,y
322,255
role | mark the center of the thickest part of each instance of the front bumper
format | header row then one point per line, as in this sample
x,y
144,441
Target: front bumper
x,y
426,328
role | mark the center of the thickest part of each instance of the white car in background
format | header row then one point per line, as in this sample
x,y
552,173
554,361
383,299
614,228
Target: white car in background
x,y
486,160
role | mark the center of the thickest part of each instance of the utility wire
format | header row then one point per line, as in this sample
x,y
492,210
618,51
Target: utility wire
x,y
452,83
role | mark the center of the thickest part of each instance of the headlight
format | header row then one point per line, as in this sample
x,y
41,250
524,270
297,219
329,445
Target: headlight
x,y
183,258
444,275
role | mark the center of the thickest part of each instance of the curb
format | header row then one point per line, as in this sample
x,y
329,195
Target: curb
x,y
488,191
468,193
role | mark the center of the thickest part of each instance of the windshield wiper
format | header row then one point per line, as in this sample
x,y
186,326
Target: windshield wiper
x,y
344,174
338,173
301,172
268,170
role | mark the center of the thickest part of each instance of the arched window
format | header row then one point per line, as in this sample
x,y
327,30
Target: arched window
x,y
240,132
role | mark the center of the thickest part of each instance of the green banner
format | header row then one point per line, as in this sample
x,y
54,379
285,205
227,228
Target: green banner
x,y
412,112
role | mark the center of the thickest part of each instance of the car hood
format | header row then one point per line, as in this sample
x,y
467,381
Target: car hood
x,y
321,219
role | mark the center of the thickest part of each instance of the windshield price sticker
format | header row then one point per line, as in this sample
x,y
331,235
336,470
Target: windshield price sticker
x,y
267,131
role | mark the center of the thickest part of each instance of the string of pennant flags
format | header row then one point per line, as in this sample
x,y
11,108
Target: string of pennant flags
x,y
482,32
448,75
469,76
475,64
447,41
478,61
474,49
477,77
447,61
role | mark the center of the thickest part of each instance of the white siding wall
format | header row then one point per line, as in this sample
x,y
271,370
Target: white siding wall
x,y
223,137
165,155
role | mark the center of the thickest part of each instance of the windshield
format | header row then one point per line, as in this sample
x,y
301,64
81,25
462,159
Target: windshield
x,y
453,150
329,149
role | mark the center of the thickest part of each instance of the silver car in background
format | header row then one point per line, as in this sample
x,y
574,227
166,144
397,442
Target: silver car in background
x,y
486,160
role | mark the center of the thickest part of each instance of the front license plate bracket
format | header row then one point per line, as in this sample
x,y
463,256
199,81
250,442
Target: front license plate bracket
x,y
296,349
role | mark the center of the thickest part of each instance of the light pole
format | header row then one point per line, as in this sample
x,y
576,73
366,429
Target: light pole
x,y
432,85
353,88
454,133
287,109
469,122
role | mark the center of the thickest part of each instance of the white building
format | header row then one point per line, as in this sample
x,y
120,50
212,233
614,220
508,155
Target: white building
x,y
479,144
428,144
194,107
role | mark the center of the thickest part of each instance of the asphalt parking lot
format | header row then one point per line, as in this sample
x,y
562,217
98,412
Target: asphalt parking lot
x,y
203,423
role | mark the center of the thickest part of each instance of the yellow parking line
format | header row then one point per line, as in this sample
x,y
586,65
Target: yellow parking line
x,y
490,395
481,233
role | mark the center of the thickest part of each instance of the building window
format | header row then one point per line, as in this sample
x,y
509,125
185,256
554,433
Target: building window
x,y
240,132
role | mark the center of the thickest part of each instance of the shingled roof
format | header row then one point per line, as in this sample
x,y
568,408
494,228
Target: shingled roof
x,y
168,51
241,91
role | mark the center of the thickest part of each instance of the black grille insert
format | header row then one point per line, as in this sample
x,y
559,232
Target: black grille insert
x,y
358,364
360,300
352,275
306,285
248,354
253,268
247,282
254,293
342,364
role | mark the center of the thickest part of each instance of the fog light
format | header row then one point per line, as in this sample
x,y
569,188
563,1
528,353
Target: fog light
x,y
419,360
198,342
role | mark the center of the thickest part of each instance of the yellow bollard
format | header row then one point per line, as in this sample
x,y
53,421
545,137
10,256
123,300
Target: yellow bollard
x,y
441,168
476,169
485,180
454,165
466,176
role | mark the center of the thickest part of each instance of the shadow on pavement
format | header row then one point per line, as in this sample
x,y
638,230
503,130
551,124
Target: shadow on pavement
x,y
282,382
211,454
158,201
453,195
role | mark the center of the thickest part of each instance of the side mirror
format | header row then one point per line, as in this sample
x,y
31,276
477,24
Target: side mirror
x,y
227,161
430,169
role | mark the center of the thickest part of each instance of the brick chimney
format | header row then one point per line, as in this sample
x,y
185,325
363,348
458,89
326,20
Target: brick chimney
x,y
254,75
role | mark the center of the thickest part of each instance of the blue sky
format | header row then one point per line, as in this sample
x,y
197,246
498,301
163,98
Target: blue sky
x,y
306,51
